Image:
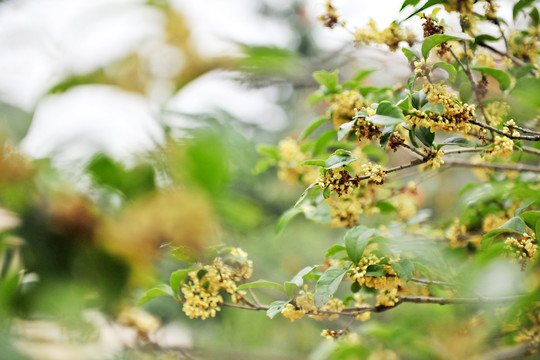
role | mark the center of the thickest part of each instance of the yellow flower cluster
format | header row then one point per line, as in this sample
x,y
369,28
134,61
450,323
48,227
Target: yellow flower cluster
x,y
455,233
344,106
344,211
484,58
331,334
364,129
290,169
525,46
509,128
523,249
388,281
202,293
388,297
391,36
493,221
406,205
305,304
423,67
339,181
496,111
502,148
434,160
291,312
375,172
464,7
330,18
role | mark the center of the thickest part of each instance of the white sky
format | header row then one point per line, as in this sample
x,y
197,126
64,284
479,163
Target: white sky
x,y
43,41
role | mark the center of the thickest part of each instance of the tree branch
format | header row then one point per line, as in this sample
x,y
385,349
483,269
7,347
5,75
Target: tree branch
x,y
511,167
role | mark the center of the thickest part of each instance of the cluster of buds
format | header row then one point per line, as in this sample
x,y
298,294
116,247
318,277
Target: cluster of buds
x,y
339,181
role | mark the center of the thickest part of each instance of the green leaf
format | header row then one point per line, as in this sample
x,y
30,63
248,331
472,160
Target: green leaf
x,y
459,141
312,127
263,284
535,17
319,213
275,308
519,6
387,132
465,91
178,277
290,288
435,109
328,284
425,135
531,218
160,290
418,99
356,240
386,108
306,193
434,40
375,271
404,269
501,76
298,279
184,254
323,140
422,269
329,80
334,249
336,161
483,38
448,68
411,54
315,162
345,129
269,151
285,218
427,5
385,206
514,225
407,3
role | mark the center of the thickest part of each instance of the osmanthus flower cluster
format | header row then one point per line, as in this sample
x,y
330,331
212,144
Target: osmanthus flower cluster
x,y
470,103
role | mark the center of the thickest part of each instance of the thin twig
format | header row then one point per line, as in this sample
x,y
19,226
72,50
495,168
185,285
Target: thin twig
x,y
521,137
463,150
511,167
432,282
408,147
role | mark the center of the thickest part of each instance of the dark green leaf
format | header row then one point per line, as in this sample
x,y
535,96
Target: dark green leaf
x,y
418,99
531,218
501,76
514,225
459,141
323,140
312,127
386,135
336,161
434,40
404,269
375,271
263,284
411,54
275,308
328,284
356,240
160,290
519,6
535,17
285,218
483,38
355,287
407,3
425,135
386,108
427,5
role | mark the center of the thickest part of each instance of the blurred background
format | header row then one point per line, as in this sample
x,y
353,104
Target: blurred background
x,y
109,101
